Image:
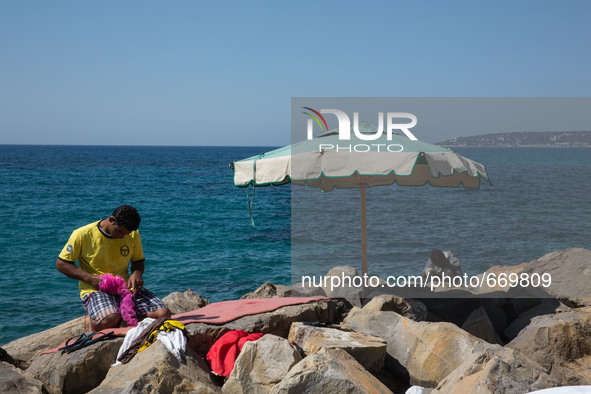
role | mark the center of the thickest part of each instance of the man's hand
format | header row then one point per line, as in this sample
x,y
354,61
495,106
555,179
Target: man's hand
x,y
94,281
136,281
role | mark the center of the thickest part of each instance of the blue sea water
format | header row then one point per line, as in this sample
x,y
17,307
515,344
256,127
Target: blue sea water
x,y
197,234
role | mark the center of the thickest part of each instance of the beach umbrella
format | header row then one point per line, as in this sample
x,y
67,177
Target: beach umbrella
x,y
362,161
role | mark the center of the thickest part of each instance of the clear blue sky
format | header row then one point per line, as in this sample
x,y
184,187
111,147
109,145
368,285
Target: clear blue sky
x,y
223,73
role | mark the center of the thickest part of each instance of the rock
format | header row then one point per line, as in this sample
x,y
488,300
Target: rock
x,y
329,371
78,371
479,325
188,301
457,310
554,341
299,290
496,370
157,370
547,307
7,358
278,321
424,353
342,285
261,365
369,351
24,349
202,336
269,290
12,380
410,308
569,270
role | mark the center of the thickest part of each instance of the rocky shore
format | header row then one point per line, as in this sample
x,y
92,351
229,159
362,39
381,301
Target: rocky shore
x,y
463,342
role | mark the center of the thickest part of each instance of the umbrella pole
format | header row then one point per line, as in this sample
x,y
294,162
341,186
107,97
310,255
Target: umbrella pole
x,y
363,238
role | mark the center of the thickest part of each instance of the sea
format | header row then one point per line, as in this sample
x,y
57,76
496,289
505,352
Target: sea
x,y
197,231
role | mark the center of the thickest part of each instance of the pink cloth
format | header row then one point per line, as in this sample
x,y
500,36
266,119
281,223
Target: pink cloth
x,y
225,311
114,284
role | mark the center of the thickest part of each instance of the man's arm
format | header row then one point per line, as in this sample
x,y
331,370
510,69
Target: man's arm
x,y
136,280
74,272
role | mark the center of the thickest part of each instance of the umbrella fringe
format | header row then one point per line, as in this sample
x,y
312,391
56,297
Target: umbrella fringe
x,y
250,200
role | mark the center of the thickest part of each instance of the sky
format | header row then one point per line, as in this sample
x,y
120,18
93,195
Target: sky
x,y
224,73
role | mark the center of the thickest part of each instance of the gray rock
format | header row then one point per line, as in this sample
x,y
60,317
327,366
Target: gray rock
x,y
547,307
188,301
202,336
278,321
261,365
24,349
425,352
76,372
479,325
7,358
345,274
410,308
569,270
556,341
329,371
299,290
268,290
156,370
13,380
369,351
496,370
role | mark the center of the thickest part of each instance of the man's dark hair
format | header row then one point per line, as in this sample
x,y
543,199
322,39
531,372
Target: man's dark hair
x,y
127,216
438,257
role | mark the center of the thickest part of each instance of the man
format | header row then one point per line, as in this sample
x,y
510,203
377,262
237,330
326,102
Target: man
x,y
108,246
442,262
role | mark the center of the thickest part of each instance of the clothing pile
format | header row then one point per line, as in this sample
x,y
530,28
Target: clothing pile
x,y
171,332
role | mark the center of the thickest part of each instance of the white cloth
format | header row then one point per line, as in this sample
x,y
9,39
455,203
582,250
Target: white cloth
x,y
174,340
417,390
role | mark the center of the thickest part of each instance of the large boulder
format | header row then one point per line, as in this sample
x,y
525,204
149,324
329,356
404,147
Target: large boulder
x,y
457,309
268,290
202,336
277,322
479,325
13,381
496,370
423,353
7,358
340,283
261,365
569,272
188,301
556,342
369,351
329,371
156,370
299,290
410,308
78,371
546,307
24,349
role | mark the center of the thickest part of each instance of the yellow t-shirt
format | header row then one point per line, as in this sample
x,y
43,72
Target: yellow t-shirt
x,y
97,253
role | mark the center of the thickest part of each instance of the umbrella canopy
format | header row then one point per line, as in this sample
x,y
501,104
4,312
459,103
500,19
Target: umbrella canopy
x,y
327,162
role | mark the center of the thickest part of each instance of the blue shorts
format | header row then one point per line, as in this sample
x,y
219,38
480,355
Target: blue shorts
x,y
99,305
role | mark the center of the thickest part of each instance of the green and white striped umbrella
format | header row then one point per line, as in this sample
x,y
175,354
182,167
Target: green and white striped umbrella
x,y
327,162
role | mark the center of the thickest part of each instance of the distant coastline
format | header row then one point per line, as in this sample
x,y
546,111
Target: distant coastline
x,y
535,139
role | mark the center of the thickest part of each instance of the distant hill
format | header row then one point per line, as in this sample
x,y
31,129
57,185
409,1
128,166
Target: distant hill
x,y
524,139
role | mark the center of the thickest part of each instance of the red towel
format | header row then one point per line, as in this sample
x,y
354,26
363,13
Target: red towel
x,y
225,351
